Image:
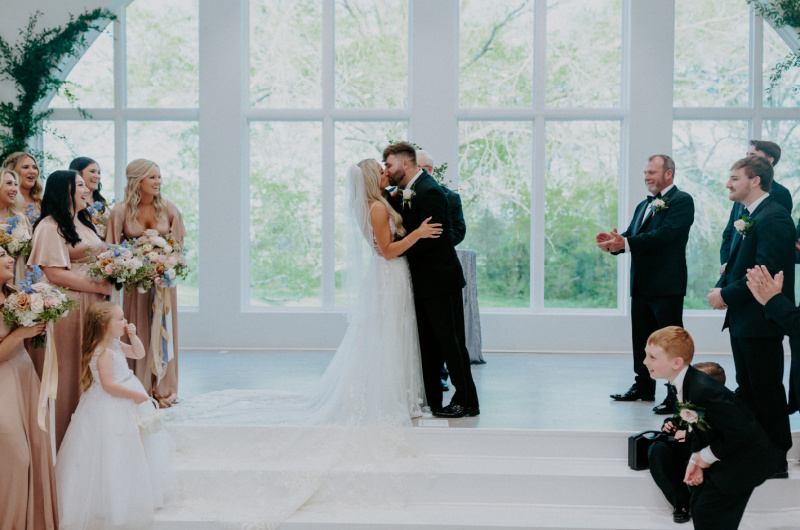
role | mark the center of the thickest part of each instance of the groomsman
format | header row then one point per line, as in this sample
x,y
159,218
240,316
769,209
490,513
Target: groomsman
x,y
656,240
772,152
765,235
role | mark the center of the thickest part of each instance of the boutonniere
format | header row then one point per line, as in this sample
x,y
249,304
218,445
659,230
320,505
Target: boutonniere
x,y
659,204
744,225
692,414
408,196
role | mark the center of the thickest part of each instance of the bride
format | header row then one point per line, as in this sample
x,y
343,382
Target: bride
x,y
372,386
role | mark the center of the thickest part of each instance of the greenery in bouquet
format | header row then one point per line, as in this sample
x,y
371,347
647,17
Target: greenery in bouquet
x,y
165,255
99,213
15,238
122,266
36,301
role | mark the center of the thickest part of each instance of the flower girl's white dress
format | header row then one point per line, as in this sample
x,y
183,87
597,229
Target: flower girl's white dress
x,y
108,475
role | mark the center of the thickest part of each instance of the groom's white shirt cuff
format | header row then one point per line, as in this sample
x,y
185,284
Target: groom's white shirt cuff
x,y
705,453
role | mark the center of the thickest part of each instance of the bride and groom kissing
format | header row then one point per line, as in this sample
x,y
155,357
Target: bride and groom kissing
x,y
425,239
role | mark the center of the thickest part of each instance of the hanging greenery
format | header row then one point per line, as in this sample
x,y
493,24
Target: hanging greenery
x,y
33,65
781,13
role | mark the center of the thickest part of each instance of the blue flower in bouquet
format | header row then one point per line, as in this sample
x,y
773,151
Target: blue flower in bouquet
x,y
31,213
32,276
12,223
95,208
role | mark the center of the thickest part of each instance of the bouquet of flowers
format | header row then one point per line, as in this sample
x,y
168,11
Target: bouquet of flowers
x,y
166,255
36,301
15,238
122,266
99,215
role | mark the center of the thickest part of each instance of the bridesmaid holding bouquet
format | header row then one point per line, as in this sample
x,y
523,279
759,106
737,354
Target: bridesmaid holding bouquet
x,y
30,186
143,208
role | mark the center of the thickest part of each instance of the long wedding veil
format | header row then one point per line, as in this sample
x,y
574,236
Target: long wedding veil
x,y
359,239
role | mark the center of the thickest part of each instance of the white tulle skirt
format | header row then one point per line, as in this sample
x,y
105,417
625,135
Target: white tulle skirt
x,y
109,476
355,418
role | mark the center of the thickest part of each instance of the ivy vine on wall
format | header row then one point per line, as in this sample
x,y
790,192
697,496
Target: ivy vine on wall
x,y
33,65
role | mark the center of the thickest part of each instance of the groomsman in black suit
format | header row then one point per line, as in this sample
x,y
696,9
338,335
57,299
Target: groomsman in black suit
x,y
764,235
772,152
731,454
778,308
656,240
438,282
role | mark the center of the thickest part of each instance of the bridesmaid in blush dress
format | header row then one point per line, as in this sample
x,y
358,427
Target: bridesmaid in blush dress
x,y
27,488
30,186
11,206
90,171
64,240
145,209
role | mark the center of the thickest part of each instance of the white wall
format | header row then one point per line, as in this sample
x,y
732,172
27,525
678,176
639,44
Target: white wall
x,y
221,323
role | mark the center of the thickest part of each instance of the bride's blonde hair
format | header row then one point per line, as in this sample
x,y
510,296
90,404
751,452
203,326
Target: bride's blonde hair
x,y
369,168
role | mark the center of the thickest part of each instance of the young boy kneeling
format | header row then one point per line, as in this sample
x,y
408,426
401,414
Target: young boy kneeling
x,y
731,454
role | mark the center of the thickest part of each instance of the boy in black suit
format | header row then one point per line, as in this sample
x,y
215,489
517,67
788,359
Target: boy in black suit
x,y
668,460
731,454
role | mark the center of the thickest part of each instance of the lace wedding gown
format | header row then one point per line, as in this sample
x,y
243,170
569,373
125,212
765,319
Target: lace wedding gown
x,y
356,415
108,475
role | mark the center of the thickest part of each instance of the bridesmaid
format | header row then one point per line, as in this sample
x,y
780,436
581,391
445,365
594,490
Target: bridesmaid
x,y
30,186
10,206
63,240
90,171
144,209
27,488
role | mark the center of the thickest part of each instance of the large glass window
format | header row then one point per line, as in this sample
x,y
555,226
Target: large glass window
x,y
162,80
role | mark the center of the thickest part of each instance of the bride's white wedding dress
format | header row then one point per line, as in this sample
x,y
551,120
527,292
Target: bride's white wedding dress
x,y
355,416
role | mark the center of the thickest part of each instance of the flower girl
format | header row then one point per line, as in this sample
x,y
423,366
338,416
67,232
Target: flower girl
x,y
113,467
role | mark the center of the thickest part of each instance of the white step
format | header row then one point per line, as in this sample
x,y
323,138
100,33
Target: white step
x,y
477,478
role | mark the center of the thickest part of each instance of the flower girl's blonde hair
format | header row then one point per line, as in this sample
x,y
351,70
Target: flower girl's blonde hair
x,y
95,334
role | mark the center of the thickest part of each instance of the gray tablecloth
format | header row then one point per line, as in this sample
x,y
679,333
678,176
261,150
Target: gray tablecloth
x,y
472,316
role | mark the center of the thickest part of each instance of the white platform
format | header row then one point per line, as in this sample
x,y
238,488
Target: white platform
x,y
543,454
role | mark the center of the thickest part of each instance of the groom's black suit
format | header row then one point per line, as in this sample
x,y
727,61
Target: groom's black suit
x,y
658,273
438,282
756,342
746,456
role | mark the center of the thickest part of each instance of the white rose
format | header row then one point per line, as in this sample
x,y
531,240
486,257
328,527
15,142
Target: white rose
x,y
20,233
37,303
147,247
658,203
408,194
153,256
126,253
689,416
159,241
151,233
40,287
739,224
134,264
168,249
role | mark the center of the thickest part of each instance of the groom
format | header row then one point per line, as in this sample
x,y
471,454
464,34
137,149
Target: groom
x,y
438,280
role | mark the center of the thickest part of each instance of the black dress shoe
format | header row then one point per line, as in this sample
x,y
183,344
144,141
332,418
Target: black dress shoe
x,y
782,472
633,394
453,410
681,515
473,411
667,407
445,386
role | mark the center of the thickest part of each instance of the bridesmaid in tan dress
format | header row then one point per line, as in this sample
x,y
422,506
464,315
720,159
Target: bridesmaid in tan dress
x,y
10,206
27,488
144,209
64,240
30,186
